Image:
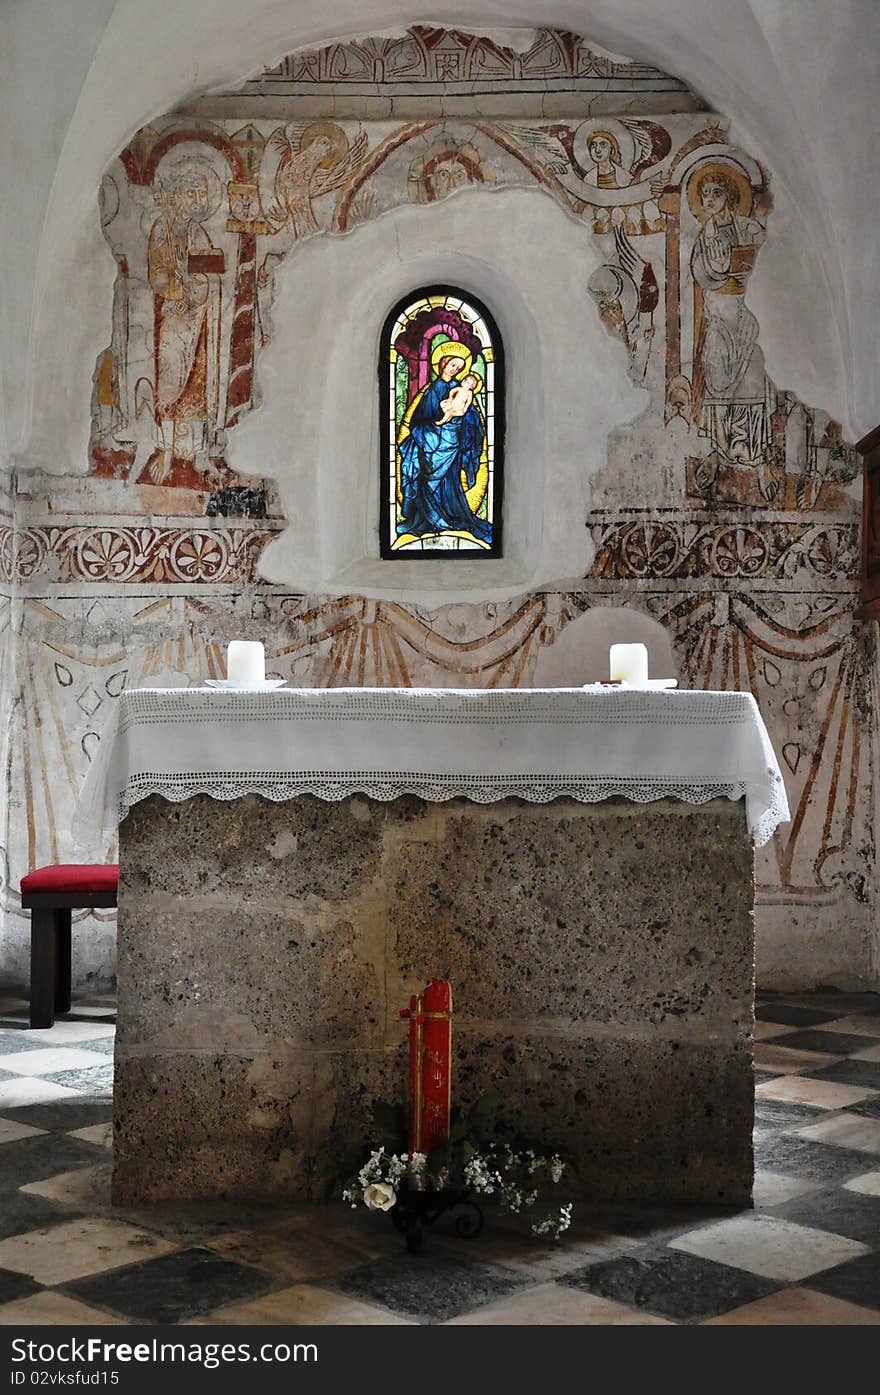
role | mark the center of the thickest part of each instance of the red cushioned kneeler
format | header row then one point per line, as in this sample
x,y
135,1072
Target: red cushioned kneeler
x,y
50,894
73,877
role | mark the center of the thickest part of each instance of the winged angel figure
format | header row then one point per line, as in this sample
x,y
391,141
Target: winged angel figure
x,y
599,158
309,159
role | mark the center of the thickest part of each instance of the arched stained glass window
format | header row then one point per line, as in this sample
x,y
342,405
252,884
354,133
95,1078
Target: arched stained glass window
x,y
442,413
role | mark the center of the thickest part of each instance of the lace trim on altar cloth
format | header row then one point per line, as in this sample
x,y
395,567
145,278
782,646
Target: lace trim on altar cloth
x,y
444,707
280,786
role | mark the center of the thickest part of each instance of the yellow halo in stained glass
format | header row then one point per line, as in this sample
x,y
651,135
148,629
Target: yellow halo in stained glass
x,y
451,349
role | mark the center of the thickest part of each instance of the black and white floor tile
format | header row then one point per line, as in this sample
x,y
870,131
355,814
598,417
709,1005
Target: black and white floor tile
x,y
807,1254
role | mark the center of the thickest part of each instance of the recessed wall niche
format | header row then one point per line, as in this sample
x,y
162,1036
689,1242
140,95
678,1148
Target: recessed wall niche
x,y
318,429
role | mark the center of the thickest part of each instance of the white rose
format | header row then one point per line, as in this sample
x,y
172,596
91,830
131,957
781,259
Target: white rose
x,y
379,1197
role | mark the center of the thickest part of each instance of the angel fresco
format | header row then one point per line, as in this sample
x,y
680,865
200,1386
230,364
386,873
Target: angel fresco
x,y
611,166
311,159
606,171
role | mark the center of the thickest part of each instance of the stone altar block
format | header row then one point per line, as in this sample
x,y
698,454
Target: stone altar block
x,y
601,958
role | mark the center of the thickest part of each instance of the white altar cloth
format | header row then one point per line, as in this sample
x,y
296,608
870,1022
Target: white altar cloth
x,y
440,743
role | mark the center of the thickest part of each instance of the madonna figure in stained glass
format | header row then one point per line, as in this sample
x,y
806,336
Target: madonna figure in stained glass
x,y
442,446
441,383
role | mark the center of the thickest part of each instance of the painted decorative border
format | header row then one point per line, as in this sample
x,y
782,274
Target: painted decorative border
x,y
448,56
647,549
626,549
133,554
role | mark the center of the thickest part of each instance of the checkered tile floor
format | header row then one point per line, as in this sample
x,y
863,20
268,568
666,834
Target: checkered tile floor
x,y
809,1253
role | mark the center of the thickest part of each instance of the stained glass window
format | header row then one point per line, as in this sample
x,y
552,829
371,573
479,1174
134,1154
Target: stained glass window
x,y
442,414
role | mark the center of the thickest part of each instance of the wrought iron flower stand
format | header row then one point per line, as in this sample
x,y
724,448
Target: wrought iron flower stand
x,y
416,1209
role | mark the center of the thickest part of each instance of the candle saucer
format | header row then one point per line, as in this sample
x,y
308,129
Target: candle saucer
x,y
634,687
266,686
652,683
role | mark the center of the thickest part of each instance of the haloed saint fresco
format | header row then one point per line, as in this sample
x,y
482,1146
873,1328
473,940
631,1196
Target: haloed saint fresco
x,y
441,449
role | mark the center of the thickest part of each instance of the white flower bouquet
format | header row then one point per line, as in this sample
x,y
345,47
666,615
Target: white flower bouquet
x,y
466,1172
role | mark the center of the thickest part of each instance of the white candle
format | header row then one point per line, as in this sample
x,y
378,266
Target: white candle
x,y
628,663
246,662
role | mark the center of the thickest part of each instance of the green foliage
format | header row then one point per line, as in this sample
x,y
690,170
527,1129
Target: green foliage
x,y
469,1131
329,1170
391,1125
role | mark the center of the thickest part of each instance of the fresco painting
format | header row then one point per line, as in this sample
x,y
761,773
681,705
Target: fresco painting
x,y
146,569
678,214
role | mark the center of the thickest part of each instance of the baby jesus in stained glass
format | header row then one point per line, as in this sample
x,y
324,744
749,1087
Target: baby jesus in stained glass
x,y
460,398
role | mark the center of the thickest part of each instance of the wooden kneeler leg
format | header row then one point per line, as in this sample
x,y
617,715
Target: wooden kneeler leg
x,y
62,960
44,954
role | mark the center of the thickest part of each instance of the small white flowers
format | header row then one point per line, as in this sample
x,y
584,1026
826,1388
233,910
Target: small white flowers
x,y
386,1167
554,1225
480,1177
496,1171
379,1196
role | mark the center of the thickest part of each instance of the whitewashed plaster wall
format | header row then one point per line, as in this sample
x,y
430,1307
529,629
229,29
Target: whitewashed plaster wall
x,y
567,387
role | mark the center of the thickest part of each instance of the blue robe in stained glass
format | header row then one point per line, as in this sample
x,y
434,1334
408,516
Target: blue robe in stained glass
x,y
432,461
